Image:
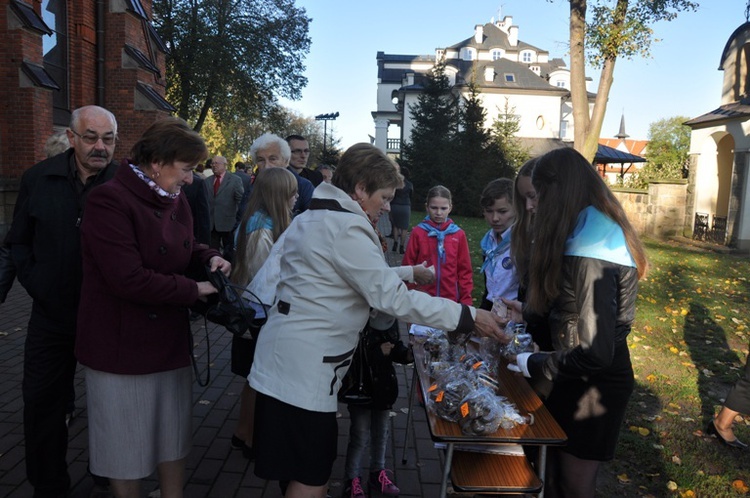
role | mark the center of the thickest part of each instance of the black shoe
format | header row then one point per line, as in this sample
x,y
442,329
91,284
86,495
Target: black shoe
x,y
248,452
237,443
735,443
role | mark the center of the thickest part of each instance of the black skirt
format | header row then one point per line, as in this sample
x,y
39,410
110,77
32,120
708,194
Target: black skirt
x,y
591,411
293,444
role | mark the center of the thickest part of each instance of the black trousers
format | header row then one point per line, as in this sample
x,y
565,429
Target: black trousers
x,y
48,372
738,398
223,242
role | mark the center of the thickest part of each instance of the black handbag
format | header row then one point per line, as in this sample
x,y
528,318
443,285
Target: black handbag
x,y
356,386
228,308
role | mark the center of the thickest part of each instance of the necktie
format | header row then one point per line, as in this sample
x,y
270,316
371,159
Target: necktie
x,y
217,182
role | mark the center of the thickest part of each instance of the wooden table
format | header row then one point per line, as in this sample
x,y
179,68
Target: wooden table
x,y
542,432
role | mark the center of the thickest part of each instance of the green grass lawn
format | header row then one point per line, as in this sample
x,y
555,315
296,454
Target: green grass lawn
x,y
688,344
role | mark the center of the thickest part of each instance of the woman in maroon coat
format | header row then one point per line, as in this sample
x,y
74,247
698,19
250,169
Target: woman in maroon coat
x,y
133,328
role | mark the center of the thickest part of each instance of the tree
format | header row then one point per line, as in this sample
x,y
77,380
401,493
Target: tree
x,y
429,153
619,30
234,57
480,159
504,129
668,152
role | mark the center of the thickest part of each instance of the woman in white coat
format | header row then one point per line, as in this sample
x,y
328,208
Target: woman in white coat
x,y
332,274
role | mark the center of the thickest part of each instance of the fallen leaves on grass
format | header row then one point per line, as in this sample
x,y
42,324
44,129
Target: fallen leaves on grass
x,y
640,430
623,479
740,486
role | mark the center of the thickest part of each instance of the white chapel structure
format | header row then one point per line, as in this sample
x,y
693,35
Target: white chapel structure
x,y
535,87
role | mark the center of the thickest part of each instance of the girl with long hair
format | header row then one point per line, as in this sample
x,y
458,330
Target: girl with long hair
x,y
584,264
268,214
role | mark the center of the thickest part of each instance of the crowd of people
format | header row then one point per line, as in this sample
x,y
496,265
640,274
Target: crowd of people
x,y
107,251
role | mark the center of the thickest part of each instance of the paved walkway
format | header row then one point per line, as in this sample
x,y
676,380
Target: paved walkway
x,y
213,468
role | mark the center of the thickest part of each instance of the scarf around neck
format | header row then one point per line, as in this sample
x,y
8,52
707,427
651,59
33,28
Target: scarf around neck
x,y
258,220
597,236
491,253
440,235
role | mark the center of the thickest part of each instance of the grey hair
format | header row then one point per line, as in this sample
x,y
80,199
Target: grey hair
x,y
267,139
57,143
75,116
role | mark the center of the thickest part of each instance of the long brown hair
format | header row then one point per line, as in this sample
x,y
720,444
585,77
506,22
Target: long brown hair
x,y
566,183
272,190
520,233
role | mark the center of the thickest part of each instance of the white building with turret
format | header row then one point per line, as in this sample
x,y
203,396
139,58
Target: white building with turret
x,y
535,87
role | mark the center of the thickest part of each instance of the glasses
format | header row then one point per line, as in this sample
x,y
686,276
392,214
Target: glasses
x,y
300,151
93,139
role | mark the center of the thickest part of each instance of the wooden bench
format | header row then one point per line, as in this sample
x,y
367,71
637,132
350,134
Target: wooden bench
x,y
491,473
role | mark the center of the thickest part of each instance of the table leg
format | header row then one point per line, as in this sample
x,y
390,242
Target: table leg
x,y
409,416
541,464
446,470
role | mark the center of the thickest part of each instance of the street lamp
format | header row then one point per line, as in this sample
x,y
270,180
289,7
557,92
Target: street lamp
x,y
326,118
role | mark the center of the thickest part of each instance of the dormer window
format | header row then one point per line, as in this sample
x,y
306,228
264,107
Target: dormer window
x,y
510,77
496,54
468,54
560,84
536,69
527,56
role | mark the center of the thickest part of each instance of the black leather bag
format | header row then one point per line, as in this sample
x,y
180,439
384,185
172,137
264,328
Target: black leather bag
x,y
228,308
356,386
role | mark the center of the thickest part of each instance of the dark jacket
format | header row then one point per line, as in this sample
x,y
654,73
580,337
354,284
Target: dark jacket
x,y
312,175
197,197
590,318
45,240
381,383
305,191
7,272
136,247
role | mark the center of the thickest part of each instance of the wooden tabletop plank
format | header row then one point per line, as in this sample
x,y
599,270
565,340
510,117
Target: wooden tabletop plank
x,y
544,430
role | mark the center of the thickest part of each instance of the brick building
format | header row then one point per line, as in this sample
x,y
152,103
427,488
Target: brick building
x,y
57,55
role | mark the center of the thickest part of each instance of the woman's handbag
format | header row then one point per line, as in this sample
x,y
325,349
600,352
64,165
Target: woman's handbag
x,y
231,310
356,386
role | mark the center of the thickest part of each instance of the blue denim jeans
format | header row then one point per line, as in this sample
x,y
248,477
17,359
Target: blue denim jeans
x,y
367,427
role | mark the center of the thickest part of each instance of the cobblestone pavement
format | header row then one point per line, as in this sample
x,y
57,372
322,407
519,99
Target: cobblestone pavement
x,y
213,468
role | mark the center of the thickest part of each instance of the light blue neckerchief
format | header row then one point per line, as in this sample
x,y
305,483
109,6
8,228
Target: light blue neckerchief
x,y
597,236
439,235
489,253
258,220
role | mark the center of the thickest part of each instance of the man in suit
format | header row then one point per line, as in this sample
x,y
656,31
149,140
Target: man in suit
x,y
224,196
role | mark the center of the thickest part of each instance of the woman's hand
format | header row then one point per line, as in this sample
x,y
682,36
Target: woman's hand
x,y
515,308
386,348
487,324
423,275
205,289
219,263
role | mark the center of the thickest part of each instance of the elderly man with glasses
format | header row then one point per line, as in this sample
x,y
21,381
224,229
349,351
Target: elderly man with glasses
x,y
272,151
45,246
